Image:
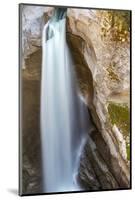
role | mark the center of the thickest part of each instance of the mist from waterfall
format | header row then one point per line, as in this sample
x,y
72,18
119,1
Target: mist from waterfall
x,y
64,116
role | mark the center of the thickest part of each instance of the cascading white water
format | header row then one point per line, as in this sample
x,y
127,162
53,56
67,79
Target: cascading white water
x,y
64,117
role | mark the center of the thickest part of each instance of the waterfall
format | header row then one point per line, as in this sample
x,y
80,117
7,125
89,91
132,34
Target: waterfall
x,y
64,116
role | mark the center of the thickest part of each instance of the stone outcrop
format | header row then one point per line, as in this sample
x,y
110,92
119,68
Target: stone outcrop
x,y
33,19
31,144
103,163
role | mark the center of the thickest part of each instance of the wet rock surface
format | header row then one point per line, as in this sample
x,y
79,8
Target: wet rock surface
x,y
105,155
31,160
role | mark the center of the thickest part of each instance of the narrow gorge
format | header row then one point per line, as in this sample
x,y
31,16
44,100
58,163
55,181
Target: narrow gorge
x,y
104,160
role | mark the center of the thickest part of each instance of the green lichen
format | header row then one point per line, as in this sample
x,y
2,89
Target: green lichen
x,y
128,151
119,114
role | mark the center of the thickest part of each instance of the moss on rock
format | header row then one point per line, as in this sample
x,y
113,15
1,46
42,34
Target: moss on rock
x,y
119,114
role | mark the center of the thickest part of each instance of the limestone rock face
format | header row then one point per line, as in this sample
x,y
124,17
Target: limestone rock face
x,y
30,137
104,155
33,20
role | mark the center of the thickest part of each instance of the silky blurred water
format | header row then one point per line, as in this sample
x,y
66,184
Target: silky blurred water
x,y
64,116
